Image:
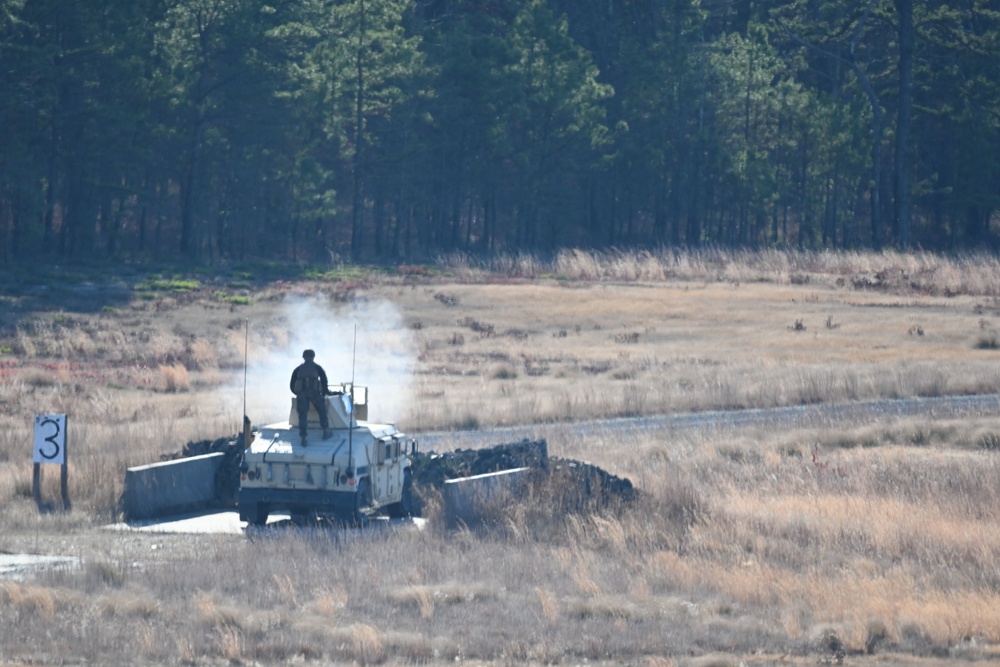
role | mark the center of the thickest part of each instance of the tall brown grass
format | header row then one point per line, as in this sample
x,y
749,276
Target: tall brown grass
x,y
749,544
976,274
806,544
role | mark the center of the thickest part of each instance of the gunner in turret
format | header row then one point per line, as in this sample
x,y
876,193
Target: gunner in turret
x,y
309,384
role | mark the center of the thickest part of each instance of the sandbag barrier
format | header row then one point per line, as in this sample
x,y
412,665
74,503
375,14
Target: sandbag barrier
x,y
586,486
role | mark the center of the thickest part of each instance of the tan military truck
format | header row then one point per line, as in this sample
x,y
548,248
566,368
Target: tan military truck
x,y
363,468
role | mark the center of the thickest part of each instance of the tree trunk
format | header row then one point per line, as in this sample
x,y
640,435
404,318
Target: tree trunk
x,y
902,181
190,186
358,140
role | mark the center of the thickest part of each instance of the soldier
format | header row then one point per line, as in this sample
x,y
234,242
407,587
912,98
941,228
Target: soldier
x,y
309,385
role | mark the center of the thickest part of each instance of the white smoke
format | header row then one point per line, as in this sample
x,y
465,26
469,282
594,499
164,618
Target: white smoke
x,y
383,361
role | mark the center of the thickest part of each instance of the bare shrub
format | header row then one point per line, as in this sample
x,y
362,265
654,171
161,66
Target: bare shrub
x,y
989,440
36,600
366,645
202,354
535,367
597,367
633,400
279,650
449,300
127,605
931,382
658,661
549,605
878,634
23,486
411,647
328,602
102,573
26,344
175,378
229,641
503,373
419,596
483,329
40,379
517,334
164,347
214,615
988,341
286,587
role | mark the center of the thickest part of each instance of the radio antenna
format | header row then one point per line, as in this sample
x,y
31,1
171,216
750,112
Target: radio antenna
x,y
354,356
246,419
246,345
350,417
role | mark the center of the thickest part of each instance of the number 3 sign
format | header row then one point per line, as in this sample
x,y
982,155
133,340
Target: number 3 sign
x,y
50,447
50,439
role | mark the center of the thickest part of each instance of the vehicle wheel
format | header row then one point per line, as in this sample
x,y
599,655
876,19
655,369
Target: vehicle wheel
x,y
362,501
404,507
257,514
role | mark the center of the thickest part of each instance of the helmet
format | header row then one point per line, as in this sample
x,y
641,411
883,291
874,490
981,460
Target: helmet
x,y
308,354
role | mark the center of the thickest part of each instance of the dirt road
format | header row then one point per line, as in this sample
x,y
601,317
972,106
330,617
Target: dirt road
x,y
800,416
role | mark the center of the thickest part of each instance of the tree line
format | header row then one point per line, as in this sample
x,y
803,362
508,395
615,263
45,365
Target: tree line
x,y
391,130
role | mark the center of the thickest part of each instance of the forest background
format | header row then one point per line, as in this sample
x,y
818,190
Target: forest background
x,y
391,130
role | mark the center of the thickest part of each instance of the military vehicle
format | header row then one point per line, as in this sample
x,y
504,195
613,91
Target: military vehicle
x,y
361,469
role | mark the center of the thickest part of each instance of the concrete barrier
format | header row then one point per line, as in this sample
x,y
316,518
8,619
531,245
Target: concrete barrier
x,y
170,487
481,499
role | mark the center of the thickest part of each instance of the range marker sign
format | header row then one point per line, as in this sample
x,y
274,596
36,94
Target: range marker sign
x,y
50,439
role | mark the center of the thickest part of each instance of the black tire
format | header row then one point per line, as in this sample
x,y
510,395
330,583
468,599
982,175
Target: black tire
x,y
257,514
362,502
404,508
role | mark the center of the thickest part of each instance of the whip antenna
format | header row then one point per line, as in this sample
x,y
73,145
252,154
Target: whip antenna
x,y
354,356
246,419
246,345
350,417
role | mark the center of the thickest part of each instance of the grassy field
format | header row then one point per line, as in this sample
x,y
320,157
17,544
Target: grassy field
x,y
862,543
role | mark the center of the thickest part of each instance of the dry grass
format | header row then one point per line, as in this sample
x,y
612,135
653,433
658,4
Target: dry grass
x,y
175,378
558,354
875,541
922,272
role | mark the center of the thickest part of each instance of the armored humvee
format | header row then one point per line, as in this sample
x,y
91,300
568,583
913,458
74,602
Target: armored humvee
x,y
362,468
